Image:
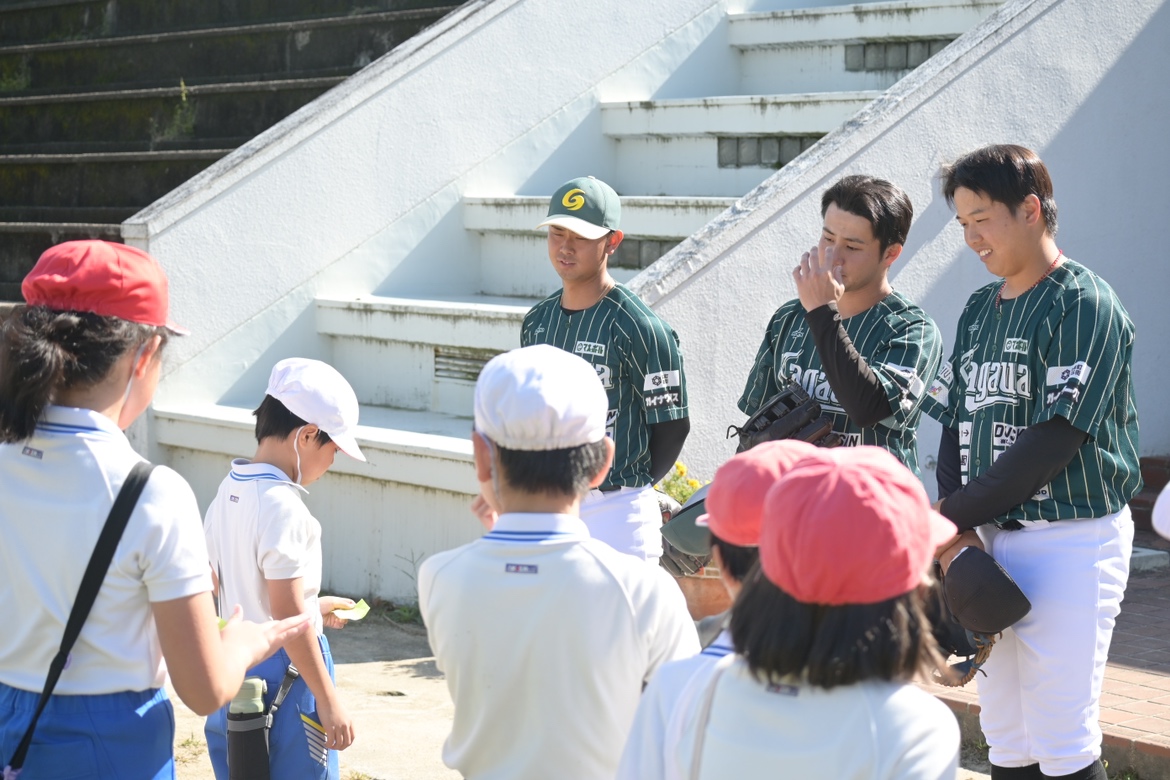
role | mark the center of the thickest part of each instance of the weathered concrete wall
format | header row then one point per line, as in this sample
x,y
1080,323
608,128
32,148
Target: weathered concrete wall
x,y
1080,81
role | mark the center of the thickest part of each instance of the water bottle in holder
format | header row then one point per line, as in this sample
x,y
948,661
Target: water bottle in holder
x,y
247,732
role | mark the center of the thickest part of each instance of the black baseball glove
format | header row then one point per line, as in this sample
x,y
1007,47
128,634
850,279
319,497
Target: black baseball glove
x,y
686,547
790,414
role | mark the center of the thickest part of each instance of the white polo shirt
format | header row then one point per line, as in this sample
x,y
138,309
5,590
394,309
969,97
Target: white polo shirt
x,y
644,756
869,731
258,528
57,489
546,637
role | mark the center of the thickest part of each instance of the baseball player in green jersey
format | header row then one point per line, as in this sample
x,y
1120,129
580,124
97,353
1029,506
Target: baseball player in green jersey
x,y
1040,454
856,345
635,353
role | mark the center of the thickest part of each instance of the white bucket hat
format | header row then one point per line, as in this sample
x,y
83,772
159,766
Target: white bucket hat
x,y
318,394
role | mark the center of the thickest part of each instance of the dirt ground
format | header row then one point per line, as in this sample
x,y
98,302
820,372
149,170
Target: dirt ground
x,y
401,709
397,698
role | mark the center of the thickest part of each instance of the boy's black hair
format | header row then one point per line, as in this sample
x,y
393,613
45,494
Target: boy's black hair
x,y
565,472
737,561
887,209
831,645
274,420
1005,173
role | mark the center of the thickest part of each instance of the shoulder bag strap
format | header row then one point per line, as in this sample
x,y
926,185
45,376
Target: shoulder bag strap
x,y
91,583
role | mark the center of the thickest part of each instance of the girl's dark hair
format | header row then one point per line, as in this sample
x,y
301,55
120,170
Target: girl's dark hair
x,y
562,472
273,419
1006,173
831,645
43,352
737,561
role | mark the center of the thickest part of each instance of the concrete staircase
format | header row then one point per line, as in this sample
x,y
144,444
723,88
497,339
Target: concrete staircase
x,y
678,163
106,106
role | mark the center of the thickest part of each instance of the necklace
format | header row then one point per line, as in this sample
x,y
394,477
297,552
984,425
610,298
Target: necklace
x,y
1055,260
605,290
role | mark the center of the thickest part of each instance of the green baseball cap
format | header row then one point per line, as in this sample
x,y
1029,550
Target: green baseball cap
x,y
587,206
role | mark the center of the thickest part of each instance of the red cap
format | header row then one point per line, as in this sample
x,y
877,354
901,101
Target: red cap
x,y
103,278
736,496
852,526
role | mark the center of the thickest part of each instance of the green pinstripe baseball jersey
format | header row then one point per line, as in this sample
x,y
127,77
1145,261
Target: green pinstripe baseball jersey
x,y
638,359
1063,348
897,339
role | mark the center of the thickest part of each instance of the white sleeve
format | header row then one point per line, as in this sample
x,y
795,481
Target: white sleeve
x,y
667,623
923,736
284,536
642,758
165,533
1162,512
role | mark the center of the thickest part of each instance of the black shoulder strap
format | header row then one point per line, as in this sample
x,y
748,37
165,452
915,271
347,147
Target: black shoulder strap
x,y
91,583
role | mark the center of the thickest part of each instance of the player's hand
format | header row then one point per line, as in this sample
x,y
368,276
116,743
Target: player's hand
x,y
948,551
328,605
818,280
337,723
483,512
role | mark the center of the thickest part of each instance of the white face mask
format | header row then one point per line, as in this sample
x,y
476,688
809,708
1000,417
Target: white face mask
x,y
133,367
495,477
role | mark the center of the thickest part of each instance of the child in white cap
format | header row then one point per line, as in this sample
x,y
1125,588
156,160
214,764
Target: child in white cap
x,y
265,550
545,634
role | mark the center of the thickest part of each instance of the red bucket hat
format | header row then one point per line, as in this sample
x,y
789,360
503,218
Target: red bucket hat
x,y
103,278
849,526
735,500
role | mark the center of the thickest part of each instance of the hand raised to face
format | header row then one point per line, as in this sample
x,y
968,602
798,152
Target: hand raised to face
x,y
818,278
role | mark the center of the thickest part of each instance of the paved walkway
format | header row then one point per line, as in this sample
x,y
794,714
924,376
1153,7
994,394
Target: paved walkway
x,y
1135,705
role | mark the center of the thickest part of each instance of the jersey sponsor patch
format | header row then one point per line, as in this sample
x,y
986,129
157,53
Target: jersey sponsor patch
x,y
662,399
940,393
234,499
1060,375
520,568
32,452
659,380
1043,494
605,374
851,440
590,348
611,418
1016,346
1004,435
913,383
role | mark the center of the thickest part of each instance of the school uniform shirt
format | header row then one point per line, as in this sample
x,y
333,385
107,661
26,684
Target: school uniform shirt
x,y
644,755
638,360
258,528
899,342
58,488
1062,348
546,638
873,730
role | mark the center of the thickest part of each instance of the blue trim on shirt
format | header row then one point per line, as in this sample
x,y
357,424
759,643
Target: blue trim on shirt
x,y
531,537
50,427
716,650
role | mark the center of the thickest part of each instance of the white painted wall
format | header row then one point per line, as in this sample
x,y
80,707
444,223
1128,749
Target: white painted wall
x,y
1082,82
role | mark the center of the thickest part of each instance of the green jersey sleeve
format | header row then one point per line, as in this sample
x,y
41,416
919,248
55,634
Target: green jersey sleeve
x,y
904,363
654,362
1087,340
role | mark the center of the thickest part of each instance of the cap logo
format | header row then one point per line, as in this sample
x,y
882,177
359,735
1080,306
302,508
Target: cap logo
x,y
573,200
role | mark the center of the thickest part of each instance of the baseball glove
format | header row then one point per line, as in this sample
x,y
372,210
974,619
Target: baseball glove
x,y
975,601
686,547
790,414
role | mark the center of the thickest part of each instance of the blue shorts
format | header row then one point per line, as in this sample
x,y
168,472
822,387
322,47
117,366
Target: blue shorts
x,y
113,736
296,742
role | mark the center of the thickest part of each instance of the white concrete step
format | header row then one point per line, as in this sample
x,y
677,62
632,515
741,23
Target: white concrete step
x,y
846,47
788,114
514,253
724,145
418,354
418,448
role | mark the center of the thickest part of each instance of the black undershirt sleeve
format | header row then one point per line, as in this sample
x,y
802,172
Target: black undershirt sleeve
x,y
858,388
948,471
1039,453
666,442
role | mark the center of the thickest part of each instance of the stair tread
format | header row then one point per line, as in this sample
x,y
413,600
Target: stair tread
x,y
112,157
451,304
28,227
738,100
164,92
379,424
171,36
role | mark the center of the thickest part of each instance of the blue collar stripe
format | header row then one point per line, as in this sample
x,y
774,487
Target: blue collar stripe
x,y
718,651
249,477
62,428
